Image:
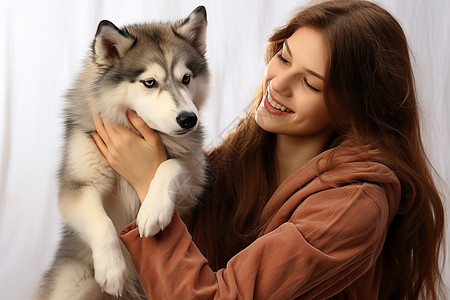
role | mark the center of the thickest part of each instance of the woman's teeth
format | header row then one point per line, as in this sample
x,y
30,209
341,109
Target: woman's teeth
x,y
277,105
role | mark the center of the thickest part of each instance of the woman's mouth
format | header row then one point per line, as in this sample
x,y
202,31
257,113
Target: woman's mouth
x,y
274,107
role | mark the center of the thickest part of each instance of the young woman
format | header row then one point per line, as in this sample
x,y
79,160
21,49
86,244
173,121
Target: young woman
x,y
322,191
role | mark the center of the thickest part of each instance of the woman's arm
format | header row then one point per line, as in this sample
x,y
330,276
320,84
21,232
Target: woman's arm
x,y
331,239
319,252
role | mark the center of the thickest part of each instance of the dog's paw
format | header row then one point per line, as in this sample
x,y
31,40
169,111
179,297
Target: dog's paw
x,y
110,271
154,215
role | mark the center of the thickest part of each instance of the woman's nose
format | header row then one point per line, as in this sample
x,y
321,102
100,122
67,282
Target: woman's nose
x,y
281,84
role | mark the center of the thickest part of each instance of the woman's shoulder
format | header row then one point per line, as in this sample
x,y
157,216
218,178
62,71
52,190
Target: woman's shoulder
x,y
346,162
338,177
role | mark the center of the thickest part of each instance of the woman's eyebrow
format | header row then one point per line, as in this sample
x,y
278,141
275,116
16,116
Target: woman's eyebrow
x,y
287,48
315,74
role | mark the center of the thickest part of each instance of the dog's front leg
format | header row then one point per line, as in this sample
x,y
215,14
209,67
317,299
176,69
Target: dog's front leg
x,y
83,210
157,209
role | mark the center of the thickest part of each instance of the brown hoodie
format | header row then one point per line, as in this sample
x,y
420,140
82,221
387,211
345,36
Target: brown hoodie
x,y
323,238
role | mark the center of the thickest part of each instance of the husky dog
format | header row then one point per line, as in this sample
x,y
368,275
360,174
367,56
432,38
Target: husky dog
x,y
158,70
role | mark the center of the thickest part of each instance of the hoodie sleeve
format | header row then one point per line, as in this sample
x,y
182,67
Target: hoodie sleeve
x,y
331,240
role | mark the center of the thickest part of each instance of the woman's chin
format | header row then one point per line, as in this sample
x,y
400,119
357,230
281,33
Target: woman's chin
x,y
262,117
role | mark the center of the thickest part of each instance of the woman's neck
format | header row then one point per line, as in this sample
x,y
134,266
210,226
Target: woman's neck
x,y
292,152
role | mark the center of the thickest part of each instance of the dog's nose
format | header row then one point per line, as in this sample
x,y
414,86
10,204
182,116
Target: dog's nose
x,y
187,120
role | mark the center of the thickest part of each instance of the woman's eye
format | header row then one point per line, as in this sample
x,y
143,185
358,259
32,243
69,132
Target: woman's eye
x,y
283,60
149,83
308,85
186,79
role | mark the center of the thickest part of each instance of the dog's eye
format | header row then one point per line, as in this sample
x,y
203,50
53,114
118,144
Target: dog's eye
x,y
149,83
186,79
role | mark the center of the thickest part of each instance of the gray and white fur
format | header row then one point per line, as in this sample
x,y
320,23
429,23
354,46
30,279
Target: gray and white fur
x,y
158,70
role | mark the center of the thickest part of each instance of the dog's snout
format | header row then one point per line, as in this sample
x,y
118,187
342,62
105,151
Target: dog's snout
x,y
187,120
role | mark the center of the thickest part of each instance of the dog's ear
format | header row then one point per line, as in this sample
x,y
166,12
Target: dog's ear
x,y
110,43
193,29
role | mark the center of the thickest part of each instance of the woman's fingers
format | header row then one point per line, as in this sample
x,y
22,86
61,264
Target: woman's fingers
x,y
100,128
106,130
110,128
100,144
110,137
149,135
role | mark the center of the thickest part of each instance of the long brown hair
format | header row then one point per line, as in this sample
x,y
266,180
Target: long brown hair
x,y
370,94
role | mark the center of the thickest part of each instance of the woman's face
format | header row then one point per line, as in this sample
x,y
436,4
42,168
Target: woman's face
x,y
293,102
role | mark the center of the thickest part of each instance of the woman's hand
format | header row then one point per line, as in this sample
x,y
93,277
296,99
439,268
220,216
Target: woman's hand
x,y
135,158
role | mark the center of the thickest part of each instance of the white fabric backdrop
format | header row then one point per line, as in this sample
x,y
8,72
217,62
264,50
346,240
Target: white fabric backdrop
x,y
41,47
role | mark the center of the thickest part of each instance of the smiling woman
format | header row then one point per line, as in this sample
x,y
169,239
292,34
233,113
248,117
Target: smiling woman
x,y
293,103
38,64
323,190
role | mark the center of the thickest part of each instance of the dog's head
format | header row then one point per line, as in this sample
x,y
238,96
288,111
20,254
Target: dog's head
x,y
159,70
